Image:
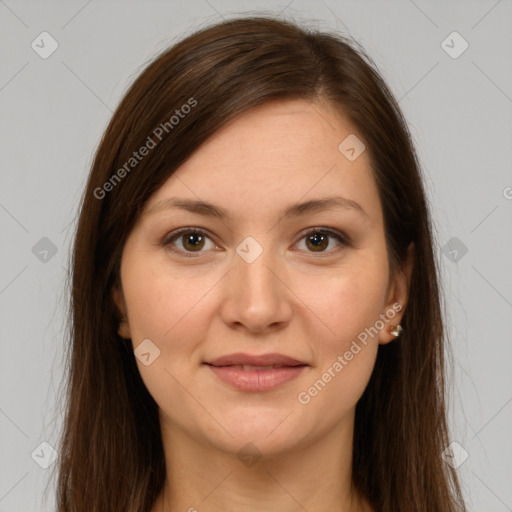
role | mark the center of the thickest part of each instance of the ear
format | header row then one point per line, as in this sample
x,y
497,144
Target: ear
x,y
398,295
124,327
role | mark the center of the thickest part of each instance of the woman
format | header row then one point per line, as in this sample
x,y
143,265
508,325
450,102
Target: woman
x,y
255,315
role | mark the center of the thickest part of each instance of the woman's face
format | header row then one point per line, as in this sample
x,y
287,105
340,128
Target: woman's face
x,y
255,283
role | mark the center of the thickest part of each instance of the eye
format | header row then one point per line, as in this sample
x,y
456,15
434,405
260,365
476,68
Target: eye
x,y
193,240
318,239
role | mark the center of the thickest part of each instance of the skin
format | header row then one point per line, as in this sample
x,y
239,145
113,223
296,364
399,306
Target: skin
x,y
290,300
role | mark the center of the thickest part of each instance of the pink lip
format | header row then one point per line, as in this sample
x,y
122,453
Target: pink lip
x,y
256,380
260,360
230,370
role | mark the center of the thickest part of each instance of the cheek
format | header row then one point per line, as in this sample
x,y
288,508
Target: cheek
x,y
345,352
173,309
345,302
158,300
335,388
166,309
357,302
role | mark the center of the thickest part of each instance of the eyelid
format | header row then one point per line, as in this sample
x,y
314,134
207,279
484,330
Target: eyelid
x,y
340,236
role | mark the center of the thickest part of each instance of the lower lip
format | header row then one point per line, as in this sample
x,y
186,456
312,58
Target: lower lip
x,y
256,380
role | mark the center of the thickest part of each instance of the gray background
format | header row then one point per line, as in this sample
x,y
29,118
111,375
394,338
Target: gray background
x,y
54,110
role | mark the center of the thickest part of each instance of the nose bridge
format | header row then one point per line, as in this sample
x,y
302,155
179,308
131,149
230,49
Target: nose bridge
x,y
257,297
254,262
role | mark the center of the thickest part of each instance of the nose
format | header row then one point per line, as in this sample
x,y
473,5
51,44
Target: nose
x,y
255,295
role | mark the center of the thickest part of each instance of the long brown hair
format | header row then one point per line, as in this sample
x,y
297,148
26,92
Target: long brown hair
x,y
111,454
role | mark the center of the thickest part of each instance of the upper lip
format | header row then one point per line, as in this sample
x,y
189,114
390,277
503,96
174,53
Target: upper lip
x,y
261,360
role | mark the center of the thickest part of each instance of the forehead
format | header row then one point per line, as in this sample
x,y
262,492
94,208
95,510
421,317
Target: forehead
x,y
276,154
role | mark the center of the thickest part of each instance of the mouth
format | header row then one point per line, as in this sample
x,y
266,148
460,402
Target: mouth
x,y
246,367
256,373
262,360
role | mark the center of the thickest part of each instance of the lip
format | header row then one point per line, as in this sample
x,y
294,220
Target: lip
x,y
256,380
261,360
229,369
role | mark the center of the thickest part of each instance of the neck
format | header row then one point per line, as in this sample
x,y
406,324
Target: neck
x,y
315,476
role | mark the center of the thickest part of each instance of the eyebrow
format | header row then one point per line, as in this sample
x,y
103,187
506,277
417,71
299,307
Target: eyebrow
x,y
294,210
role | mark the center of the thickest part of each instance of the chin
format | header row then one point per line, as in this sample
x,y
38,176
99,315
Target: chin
x,y
267,432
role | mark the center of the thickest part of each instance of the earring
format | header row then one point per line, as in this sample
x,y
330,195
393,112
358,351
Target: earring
x,y
123,329
397,330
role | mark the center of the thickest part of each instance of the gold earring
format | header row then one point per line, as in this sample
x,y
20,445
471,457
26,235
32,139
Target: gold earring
x,y
397,330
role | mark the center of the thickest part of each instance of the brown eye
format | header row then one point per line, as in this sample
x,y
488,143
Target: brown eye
x,y
318,240
193,241
188,241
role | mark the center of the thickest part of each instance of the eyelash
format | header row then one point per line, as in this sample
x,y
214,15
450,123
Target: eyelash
x,y
167,242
